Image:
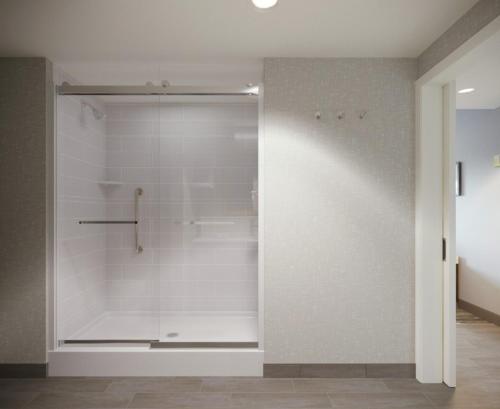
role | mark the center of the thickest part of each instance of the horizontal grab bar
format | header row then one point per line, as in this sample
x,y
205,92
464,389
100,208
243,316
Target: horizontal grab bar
x,y
107,222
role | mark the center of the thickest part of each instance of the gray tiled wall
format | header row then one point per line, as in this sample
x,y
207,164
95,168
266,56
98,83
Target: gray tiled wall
x,y
25,129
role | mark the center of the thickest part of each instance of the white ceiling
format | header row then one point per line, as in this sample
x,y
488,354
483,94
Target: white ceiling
x,y
197,30
482,74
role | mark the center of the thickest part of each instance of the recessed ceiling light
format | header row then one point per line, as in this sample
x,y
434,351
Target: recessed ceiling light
x,y
264,4
466,91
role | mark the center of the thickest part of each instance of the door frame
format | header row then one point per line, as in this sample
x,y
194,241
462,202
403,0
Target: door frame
x,y
435,303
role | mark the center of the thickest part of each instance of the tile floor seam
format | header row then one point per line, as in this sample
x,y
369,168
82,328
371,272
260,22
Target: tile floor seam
x,y
108,387
330,400
31,400
131,399
429,400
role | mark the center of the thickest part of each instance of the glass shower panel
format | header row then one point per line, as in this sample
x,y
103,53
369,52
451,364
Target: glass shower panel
x,y
206,240
107,282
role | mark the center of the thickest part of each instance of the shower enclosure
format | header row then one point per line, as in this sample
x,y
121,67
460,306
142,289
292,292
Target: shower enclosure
x,y
157,217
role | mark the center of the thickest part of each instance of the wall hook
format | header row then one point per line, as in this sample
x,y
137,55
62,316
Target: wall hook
x,y
340,115
317,115
362,114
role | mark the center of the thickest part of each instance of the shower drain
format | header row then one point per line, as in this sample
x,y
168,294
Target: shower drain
x,y
172,334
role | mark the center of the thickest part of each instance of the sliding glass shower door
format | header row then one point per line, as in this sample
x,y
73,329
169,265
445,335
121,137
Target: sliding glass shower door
x,y
157,235
108,185
206,240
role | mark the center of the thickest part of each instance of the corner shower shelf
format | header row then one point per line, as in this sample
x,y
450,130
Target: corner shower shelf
x,y
203,222
110,183
205,185
225,240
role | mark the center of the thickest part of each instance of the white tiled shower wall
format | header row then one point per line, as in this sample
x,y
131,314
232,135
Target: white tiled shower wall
x,y
197,166
81,251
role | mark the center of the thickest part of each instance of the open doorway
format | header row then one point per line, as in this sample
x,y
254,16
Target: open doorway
x,y
477,144
436,341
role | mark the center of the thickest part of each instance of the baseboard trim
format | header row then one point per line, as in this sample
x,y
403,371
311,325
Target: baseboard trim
x,y
479,312
23,370
339,370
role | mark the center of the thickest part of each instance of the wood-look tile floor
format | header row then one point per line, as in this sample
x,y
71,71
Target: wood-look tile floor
x,y
478,388
465,317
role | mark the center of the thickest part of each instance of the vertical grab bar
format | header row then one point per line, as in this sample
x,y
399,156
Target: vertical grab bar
x,y
138,193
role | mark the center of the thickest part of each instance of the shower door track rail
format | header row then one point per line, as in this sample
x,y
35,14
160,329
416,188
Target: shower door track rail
x,y
157,344
108,341
108,222
68,89
201,344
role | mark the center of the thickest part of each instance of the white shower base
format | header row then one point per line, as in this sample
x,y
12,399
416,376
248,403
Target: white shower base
x,y
144,361
175,327
122,359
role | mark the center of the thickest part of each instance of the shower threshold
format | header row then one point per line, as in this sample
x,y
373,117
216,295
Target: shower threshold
x,y
171,330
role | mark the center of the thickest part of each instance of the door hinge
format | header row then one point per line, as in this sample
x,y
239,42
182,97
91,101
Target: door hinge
x,y
444,249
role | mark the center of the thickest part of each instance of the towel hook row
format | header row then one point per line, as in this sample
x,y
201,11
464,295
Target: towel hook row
x,y
340,115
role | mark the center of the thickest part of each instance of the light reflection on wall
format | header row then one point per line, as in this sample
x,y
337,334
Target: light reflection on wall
x,y
338,195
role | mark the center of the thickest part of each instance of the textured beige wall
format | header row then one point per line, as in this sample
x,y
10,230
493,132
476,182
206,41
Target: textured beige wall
x,y
339,211
483,13
25,125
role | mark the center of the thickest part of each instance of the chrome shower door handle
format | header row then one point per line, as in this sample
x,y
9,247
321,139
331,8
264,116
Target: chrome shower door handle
x,y
138,193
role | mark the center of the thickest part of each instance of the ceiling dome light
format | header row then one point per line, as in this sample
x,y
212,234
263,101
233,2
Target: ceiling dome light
x,y
466,91
264,4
